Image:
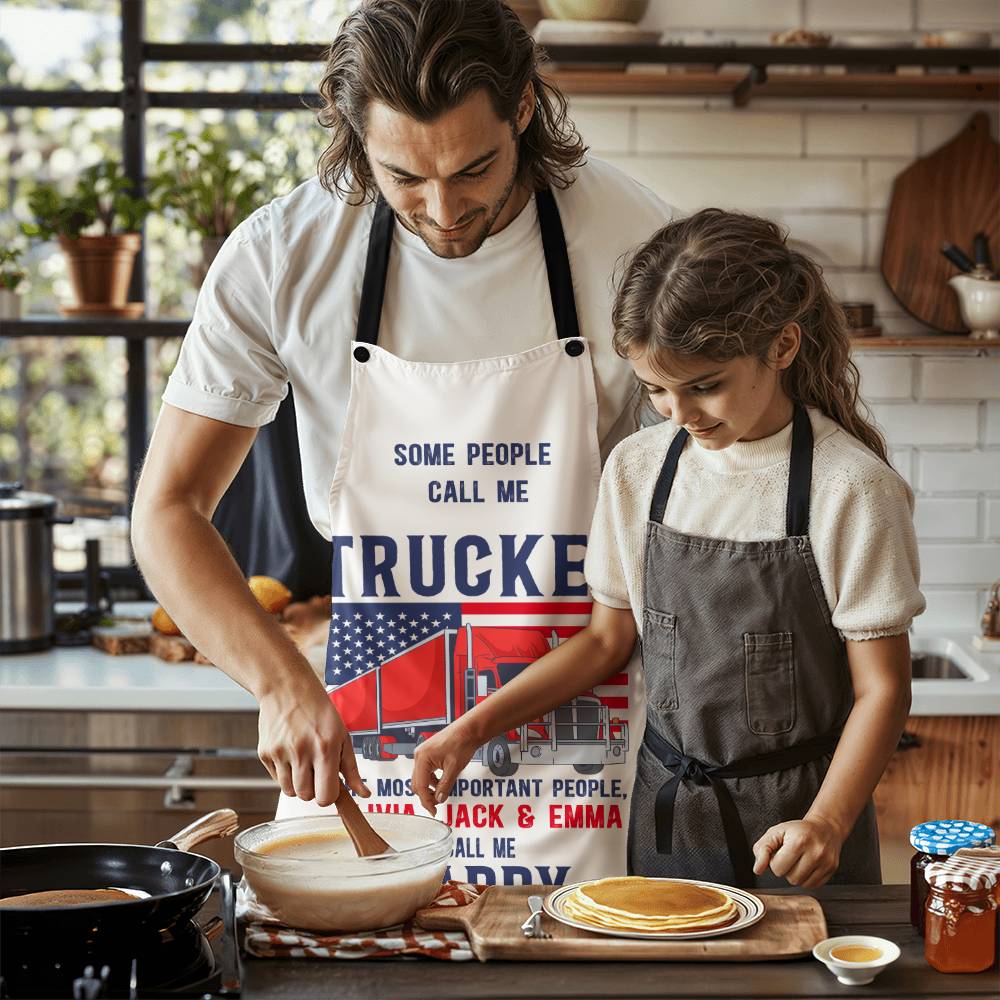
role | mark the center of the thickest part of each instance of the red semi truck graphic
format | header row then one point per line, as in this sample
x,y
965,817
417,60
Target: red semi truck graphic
x,y
393,708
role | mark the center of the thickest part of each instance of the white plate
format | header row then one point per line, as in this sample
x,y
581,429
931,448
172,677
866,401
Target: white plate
x,y
750,907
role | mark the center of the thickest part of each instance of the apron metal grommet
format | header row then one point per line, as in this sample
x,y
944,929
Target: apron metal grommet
x,y
361,354
574,348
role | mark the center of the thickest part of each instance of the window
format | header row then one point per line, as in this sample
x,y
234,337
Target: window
x,y
72,44
75,410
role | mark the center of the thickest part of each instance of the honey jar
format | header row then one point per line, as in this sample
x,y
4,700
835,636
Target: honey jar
x,y
936,841
961,918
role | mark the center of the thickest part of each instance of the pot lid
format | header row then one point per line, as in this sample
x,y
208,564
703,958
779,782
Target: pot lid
x,y
15,502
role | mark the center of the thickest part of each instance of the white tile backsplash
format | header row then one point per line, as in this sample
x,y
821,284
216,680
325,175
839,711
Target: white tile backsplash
x,y
604,128
928,423
959,563
863,286
732,133
940,127
960,378
950,609
960,471
992,425
938,518
937,14
694,182
836,240
881,177
858,15
700,15
874,238
825,169
885,377
860,135
993,522
901,459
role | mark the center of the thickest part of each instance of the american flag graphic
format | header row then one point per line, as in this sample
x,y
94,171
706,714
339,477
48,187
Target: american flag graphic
x,y
364,636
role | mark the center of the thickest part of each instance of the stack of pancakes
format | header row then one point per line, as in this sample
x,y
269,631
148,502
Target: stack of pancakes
x,y
650,906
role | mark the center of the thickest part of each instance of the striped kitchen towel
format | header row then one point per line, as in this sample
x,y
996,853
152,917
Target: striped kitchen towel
x,y
266,937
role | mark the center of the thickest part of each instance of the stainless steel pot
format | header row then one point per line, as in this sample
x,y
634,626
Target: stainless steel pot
x,y
27,580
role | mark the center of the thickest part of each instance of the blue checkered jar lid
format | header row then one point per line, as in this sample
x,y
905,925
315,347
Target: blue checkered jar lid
x,y
945,836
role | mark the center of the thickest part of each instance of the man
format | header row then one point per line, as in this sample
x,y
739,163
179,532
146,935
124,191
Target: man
x,y
439,299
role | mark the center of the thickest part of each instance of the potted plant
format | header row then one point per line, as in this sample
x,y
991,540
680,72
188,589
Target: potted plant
x,y
100,264
208,187
11,276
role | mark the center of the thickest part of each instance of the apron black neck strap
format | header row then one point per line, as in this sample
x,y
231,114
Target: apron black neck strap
x,y
665,481
799,476
556,265
800,468
376,268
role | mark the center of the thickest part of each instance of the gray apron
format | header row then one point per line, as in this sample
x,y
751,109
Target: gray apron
x,y
748,689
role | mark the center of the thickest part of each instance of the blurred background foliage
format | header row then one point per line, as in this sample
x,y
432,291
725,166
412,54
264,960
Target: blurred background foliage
x,y
62,413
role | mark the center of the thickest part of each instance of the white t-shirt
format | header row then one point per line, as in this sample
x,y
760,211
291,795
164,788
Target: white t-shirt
x,y
860,519
279,306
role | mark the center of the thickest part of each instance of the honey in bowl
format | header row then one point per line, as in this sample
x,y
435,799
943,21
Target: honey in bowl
x,y
855,953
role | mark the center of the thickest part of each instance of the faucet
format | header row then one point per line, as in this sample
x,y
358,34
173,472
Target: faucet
x,y
991,616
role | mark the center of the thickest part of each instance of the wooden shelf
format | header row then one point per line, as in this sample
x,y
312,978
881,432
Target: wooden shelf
x,y
944,341
978,86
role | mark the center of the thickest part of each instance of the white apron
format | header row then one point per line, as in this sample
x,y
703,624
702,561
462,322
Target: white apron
x,y
460,508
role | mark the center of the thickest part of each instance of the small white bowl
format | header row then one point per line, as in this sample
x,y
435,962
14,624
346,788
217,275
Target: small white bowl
x,y
856,973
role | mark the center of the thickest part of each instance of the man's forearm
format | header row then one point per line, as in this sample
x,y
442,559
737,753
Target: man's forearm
x,y
192,573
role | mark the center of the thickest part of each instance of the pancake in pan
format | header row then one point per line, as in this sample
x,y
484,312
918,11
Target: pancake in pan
x,y
67,897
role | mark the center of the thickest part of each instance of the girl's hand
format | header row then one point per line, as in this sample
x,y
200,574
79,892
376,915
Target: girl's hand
x,y
448,752
804,851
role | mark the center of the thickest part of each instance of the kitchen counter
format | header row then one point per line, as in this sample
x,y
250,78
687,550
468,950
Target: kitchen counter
x,y
85,679
878,910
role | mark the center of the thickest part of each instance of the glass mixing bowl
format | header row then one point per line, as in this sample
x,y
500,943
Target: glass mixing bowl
x,y
342,892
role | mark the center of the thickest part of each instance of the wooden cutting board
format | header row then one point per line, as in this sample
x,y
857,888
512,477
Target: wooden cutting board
x,y
789,928
948,195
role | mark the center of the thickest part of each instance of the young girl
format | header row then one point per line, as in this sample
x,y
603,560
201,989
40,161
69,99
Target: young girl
x,y
762,548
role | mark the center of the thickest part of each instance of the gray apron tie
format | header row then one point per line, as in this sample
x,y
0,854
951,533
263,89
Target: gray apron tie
x,y
710,604
689,769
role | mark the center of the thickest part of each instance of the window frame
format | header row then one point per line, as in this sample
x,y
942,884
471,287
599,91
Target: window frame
x,y
134,100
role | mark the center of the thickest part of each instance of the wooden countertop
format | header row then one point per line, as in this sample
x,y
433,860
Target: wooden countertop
x,y
878,910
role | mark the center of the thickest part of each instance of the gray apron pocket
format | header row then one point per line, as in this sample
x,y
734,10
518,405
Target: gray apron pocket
x,y
770,681
659,657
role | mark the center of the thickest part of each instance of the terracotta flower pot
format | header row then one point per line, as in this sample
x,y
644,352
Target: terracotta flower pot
x,y
100,267
10,304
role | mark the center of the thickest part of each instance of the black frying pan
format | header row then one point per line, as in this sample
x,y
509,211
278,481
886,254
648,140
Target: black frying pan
x,y
177,883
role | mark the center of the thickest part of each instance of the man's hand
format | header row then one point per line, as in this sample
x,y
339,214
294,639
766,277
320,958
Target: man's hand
x,y
304,745
448,752
804,851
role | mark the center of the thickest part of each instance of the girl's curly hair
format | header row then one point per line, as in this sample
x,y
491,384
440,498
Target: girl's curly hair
x,y
722,285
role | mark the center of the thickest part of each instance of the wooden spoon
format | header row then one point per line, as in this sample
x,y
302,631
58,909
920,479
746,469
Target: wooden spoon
x,y
366,841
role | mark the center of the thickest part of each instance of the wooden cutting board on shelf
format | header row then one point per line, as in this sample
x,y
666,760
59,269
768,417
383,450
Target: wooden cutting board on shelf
x,y
946,196
790,927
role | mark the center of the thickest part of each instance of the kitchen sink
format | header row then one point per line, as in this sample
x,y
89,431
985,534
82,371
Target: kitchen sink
x,y
943,660
927,666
